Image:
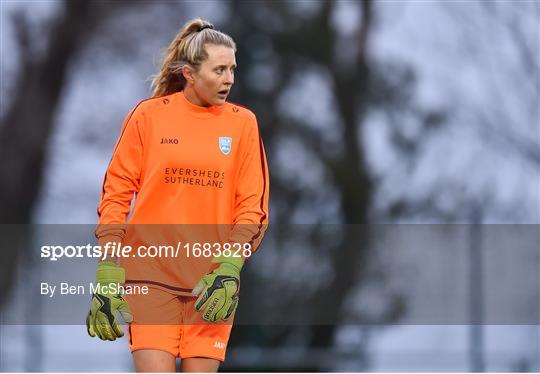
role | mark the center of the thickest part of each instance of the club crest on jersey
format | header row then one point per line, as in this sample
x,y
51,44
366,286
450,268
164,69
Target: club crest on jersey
x,y
225,143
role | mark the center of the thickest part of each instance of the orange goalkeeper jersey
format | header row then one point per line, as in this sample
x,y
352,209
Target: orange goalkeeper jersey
x,y
186,165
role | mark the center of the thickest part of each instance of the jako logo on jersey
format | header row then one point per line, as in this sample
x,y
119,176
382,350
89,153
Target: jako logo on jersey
x,y
219,345
169,141
225,144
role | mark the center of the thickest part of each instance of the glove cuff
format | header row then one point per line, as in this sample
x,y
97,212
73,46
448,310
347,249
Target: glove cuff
x,y
237,262
108,272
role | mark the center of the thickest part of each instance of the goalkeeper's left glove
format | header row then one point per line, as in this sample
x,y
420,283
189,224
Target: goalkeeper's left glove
x,y
218,291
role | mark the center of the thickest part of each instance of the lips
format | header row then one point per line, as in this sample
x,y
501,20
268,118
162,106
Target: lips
x,y
223,92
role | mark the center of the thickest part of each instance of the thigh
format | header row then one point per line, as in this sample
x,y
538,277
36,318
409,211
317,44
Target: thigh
x,y
199,364
153,360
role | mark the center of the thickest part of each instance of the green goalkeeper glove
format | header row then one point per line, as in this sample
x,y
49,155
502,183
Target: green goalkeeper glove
x,y
218,291
102,320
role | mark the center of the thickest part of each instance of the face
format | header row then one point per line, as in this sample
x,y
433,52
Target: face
x,y
212,82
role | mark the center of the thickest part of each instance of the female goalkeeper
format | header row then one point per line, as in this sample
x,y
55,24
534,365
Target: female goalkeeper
x,y
190,158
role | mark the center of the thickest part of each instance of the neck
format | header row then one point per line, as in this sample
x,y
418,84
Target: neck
x,y
193,98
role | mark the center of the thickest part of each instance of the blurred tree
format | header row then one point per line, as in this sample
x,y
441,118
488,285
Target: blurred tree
x,y
298,43
28,121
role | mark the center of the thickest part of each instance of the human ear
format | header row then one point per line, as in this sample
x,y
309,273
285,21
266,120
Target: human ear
x,y
187,72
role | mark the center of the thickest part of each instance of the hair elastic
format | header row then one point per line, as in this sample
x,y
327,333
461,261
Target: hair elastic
x,y
206,27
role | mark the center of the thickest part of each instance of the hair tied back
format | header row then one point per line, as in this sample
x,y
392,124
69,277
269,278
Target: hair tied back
x,y
206,27
187,48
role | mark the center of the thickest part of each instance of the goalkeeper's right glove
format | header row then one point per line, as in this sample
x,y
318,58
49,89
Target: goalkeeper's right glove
x,y
102,320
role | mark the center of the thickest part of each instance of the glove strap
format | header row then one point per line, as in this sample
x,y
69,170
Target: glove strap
x,y
108,272
230,267
237,262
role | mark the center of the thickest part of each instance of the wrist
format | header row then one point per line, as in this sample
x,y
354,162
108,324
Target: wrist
x,y
106,248
109,238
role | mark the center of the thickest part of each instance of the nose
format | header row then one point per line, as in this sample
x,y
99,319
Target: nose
x,y
229,78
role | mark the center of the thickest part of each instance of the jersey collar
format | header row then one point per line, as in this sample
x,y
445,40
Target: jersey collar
x,y
199,111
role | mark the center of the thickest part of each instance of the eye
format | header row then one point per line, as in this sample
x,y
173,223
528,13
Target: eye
x,y
219,70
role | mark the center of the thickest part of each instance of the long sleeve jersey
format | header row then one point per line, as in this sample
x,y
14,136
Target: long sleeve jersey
x,y
202,168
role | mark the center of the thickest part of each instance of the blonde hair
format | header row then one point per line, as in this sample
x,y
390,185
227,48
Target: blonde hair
x,y
187,48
